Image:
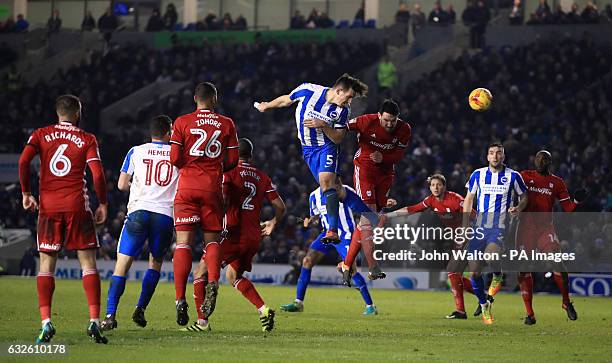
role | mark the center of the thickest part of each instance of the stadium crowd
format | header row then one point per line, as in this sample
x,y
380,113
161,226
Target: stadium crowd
x,y
529,83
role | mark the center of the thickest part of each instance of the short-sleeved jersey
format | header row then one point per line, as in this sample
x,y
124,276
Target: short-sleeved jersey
x,y
542,191
64,152
247,187
449,209
372,137
494,194
313,105
154,179
204,137
346,224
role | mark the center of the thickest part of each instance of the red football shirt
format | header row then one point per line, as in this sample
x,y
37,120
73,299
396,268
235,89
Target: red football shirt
x,y
449,209
247,187
373,137
542,191
64,152
204,137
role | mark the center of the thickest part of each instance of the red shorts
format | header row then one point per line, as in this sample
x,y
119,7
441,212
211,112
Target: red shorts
x,y
73,230
542,239
192,207
372,189
238,252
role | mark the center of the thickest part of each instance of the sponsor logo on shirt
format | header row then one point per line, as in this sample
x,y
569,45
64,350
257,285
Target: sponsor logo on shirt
x,y
540,190
192,219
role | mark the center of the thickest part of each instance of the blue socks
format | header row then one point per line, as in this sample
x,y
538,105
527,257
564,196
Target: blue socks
x,y
149,283
478,287
360,283
115,291
332,204
302,284
357,205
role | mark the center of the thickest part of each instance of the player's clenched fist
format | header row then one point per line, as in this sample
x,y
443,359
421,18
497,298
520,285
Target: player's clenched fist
x,y
100,215
29,202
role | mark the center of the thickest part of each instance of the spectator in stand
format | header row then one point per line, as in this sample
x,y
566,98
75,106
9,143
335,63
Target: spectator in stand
x,y
7,26
170,17
574,17
590,15
156,22
437,16
297,21
607,14
559,16
402,16
21,25
418,19
516,14
476,17
54,24
324,22
227,23
313,18
240,23
451,15
387,76
543,12
89,23
108,22
360,14
211,21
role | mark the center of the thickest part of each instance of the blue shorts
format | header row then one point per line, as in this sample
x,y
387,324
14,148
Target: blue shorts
x,y
341,247
490,235
321,159
143,225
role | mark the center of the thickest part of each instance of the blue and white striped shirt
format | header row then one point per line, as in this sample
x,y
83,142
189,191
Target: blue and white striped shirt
x,y
313,105
317,208
495,192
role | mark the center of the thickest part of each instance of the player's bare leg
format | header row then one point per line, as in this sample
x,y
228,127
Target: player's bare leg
x,y
115,290
45,285
212,256
91,285
247,289
182,261
149,283
200,280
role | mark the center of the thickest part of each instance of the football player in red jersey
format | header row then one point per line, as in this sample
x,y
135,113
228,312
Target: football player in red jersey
x,y
536,230
65,218
449,207
383,139
204,145
244,188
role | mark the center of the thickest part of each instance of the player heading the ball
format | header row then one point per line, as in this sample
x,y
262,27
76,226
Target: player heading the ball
x,y
320,118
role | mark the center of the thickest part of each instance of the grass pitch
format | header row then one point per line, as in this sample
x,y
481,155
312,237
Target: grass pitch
x,y
410,327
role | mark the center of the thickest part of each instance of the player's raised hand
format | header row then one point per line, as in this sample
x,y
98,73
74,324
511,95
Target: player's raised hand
x,y
391,203
267,227
100,215
376,157
29,202
315,124
261,106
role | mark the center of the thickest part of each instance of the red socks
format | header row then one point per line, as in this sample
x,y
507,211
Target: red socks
x,y
457,290
199,286
182,267
246,287
91,285
562,281
526,285
45,284
354,247
367,243
213,261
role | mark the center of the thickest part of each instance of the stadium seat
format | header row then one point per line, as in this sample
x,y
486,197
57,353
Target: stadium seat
x,y
343,24
357,23
370,23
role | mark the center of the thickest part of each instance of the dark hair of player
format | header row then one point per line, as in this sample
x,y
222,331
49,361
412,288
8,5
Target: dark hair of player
x,y
439,177
389,106
160,126
205,91
67,105
347,81
245,148
495,144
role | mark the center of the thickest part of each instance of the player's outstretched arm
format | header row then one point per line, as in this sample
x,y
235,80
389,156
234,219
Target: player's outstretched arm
x,y
278,102
28,200
279,212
